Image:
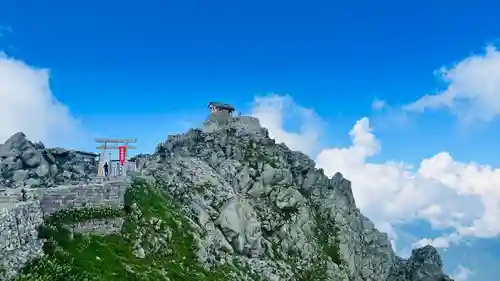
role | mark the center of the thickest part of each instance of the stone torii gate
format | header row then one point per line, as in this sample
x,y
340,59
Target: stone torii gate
x,y
106,146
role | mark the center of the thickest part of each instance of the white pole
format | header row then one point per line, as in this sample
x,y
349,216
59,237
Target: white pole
x,y
124,168
102,159
110,167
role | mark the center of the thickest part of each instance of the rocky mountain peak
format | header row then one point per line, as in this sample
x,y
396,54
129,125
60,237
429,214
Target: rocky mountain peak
x,y
17,138
223,202
427,253
259,203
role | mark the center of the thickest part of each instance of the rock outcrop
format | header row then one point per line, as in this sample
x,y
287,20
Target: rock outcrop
x,y
255,202
224,202
23,163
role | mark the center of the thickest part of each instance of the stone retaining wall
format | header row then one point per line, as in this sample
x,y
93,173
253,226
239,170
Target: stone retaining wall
x,y
18,236
110,194
19,220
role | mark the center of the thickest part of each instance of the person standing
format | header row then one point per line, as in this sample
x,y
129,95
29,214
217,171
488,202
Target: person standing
x,y
106,169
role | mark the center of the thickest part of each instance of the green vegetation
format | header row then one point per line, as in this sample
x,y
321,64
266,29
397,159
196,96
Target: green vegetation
x,y
152,223
329,241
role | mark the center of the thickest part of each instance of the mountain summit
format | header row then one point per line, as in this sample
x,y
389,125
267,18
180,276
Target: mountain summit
x,y
258,203
226,202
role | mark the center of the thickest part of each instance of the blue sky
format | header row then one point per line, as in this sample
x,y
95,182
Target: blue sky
x,y
146,69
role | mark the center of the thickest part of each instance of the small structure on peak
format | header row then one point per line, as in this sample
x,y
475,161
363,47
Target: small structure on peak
x,y
219,106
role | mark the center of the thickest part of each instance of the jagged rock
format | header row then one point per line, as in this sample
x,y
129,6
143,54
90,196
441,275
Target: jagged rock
x,y
23,163
239,224
32,182
424,264
42,170
20,175
31,158
257,202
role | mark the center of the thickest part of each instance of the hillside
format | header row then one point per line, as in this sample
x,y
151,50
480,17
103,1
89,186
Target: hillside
x,y
226,202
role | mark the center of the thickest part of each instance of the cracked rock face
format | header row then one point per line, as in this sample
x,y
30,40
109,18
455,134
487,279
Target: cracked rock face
x,y
27,164
254,201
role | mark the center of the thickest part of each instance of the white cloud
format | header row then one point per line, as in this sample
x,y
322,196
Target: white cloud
x,y
444,241
462,273
378,104
274,111
473,90
463,199
28,105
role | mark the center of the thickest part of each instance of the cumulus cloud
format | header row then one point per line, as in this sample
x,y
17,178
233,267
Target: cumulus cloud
x,y
28,105
274,111
459,198
473,88
453,196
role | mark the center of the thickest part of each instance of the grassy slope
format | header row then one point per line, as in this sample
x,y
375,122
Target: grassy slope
x,y
109,257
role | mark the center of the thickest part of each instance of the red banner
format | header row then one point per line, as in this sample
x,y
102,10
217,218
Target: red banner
x,y
123,150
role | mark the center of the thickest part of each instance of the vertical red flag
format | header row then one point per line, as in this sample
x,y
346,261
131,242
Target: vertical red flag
x,y
122,154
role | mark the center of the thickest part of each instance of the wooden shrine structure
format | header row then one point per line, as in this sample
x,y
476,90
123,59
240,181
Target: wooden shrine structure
x,y
219,106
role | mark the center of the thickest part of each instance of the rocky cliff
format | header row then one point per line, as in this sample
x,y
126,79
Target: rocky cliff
x,y
226,202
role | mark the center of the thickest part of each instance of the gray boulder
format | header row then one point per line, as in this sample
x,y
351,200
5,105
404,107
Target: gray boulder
x,y
24,163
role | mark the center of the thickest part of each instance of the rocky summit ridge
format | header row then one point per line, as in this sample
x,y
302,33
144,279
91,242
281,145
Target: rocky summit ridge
x,y
256,201
224,202
27,164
